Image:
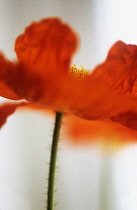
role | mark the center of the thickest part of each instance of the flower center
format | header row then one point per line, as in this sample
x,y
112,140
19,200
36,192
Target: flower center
x,y
78,73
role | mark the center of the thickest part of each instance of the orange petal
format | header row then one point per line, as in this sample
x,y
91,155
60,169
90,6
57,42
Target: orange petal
x,y
44,51
119,71
8,109
46,47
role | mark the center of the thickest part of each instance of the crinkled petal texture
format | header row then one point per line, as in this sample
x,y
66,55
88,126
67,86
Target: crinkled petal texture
x,y
46,47
120,69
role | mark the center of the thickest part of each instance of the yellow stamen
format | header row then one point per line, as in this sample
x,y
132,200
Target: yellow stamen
x,y
78,73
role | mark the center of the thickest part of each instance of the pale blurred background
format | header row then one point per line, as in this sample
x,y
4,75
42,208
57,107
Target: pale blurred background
x,y
87,178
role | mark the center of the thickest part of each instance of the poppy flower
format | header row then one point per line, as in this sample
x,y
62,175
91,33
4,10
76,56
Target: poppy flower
x,y
41,75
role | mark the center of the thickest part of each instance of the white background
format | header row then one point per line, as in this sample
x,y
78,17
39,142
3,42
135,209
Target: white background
x,y
87,179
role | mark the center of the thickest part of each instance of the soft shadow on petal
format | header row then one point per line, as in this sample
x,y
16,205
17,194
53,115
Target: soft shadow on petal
x,y
8,78
84,132
128,119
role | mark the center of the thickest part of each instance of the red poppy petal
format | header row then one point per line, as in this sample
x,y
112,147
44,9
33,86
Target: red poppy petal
x,y
8,72
45,50
46,47
119,71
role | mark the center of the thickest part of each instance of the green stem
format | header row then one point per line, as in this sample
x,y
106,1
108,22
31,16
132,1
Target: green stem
x,y
53,157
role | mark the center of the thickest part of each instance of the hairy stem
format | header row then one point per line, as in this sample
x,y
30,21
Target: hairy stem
x,y
53,157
